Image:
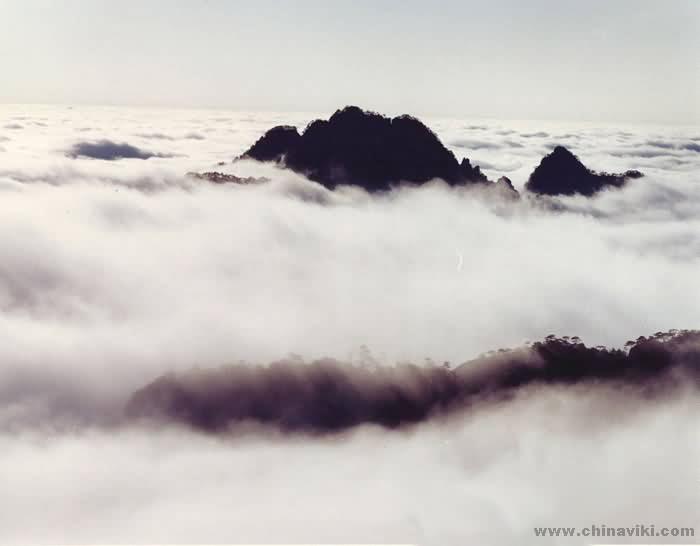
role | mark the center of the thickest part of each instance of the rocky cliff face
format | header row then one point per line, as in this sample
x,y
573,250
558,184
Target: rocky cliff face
x,y
365,149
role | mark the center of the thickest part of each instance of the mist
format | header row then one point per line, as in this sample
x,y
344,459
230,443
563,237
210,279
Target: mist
x,y
114,273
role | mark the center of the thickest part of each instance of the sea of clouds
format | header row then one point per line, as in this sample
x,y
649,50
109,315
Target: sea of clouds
x,y
115,271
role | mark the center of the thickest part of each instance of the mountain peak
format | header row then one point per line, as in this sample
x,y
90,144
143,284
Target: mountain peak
x,y
364,148
562,173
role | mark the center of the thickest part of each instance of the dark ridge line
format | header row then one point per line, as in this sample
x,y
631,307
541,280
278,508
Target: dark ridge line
x,y
328,396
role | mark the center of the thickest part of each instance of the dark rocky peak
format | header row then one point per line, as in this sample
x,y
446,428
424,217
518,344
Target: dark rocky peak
x,y
505,182
274,144
354,115
365,149
471,172
562,173
504,188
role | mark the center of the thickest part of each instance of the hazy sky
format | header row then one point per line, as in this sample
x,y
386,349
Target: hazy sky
x,y
624,60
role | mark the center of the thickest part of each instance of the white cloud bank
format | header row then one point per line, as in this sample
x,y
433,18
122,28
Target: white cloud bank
x,y
114,272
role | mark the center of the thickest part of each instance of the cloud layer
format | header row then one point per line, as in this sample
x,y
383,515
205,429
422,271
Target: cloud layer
x,y
109,151
113,273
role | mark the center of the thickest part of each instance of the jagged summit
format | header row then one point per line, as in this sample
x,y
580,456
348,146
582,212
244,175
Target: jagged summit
x,y
276,142
364,148
506,182
562,173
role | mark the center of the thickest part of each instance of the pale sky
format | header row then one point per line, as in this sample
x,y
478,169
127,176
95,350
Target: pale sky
x,y
627,60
